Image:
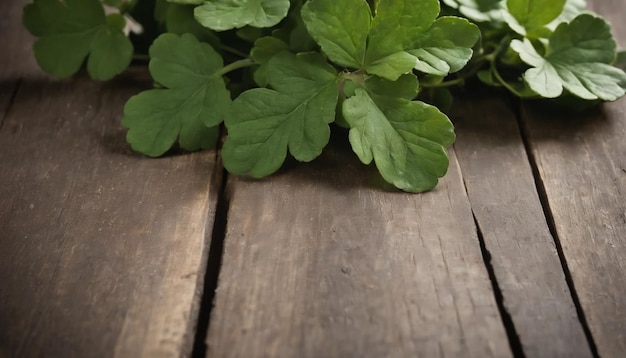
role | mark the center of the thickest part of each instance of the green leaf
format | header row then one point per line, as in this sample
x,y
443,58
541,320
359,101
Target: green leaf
x,y
398,25
220,15
406,139
572,9
191,2
405,87
528,16
402,36
578,59
294,115
194,101
446,47
479,10
340,28
74,30
264,49
179,19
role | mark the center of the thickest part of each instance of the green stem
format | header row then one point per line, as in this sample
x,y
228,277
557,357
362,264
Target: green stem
x,y
246,62
476,64
450,83
233,51
141,57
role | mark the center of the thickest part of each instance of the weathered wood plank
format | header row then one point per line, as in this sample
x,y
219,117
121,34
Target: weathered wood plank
x,y
502,193
103,251
582,163
16,58
320,261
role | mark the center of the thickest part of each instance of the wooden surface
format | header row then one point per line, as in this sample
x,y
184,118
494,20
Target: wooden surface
x,y
501,188
102,251
582,163
519,252
318,264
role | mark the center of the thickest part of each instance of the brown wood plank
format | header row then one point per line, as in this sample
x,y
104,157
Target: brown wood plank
x,y
582,163
501,189
16,58
102,251
320,261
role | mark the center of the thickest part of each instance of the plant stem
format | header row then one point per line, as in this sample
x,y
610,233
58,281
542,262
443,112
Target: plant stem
x,y
246,62
141,57
233,51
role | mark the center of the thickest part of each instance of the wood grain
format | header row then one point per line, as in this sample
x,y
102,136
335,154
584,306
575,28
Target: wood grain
x,y
581,159
321,261
502,192
16,58
102,251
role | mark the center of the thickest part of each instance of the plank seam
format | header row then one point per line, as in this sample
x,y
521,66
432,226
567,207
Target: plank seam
x,y
214,264
515,342
547,212
507,320
7,110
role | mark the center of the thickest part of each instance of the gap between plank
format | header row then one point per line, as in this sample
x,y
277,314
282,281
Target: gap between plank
x,y
214,264
5,114
514,341
547,212
507,321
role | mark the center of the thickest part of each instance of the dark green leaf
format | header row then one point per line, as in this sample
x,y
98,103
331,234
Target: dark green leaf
x,y
294,116
189,108
74,30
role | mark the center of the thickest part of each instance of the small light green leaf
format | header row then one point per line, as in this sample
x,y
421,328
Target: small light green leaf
x,y
340,28
406,139
578,58
190,107
265,123
528,16
479,10
446,47
393,66
221,15
74,30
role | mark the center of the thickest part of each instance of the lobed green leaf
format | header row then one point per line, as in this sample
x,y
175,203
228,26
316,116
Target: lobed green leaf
x,y
190,107
74,30
294,115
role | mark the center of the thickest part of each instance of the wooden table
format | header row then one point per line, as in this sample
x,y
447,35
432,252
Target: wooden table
x,y
520,251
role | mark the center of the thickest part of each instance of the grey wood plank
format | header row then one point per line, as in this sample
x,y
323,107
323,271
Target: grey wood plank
x,y
102,251
582,163
321,261
503,196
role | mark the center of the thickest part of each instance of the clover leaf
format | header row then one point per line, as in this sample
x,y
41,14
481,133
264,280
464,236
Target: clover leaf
x,y
294,115
220,15
404,35
406,139
478,10
578,59
190,107
529,16
73,30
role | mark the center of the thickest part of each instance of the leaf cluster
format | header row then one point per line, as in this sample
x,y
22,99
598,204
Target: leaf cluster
x,y
279,75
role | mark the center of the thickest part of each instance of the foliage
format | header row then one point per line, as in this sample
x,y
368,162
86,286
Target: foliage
x,y
279,73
